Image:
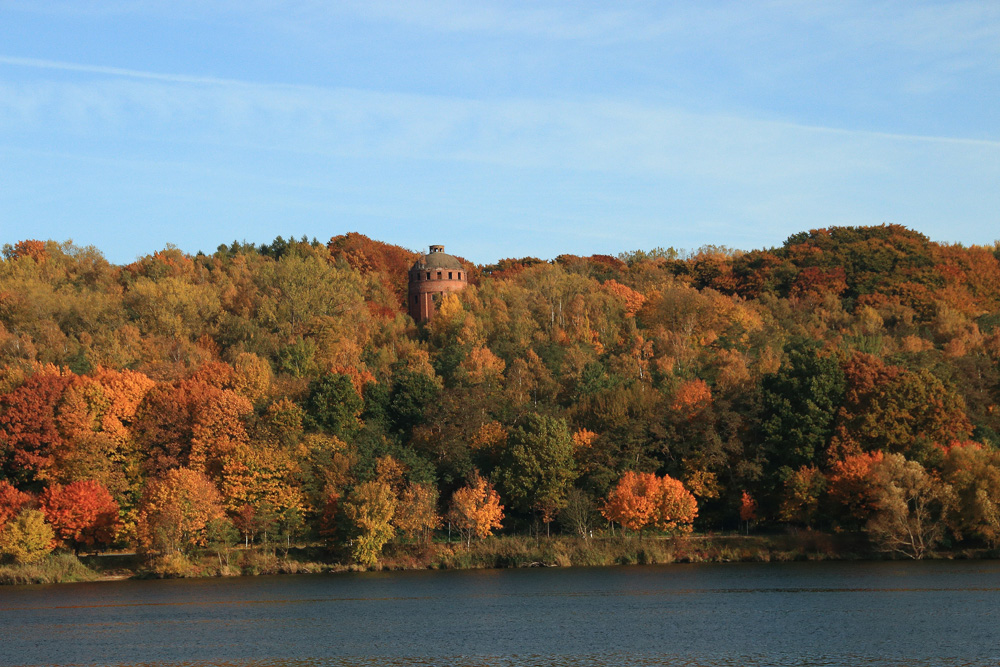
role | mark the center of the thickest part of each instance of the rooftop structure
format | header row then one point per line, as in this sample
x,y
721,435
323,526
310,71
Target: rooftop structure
x,y
431,277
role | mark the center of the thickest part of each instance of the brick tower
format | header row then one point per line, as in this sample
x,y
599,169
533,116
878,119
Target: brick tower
x,y
435,274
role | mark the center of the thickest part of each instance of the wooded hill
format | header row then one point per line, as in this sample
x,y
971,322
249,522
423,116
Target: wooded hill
x,y
845,380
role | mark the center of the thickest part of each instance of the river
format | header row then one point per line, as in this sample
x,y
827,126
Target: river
x,y
942,613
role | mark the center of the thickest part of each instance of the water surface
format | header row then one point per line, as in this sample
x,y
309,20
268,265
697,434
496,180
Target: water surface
x,y
719,615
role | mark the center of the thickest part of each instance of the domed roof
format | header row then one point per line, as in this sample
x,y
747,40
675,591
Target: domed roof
x,y
437,258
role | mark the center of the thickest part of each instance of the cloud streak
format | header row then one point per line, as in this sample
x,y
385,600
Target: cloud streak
x,y
525,132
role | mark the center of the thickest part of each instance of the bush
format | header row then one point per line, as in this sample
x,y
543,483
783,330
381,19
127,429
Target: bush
x,y
27,538
174,566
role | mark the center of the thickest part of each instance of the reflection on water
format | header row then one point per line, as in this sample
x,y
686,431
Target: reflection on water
x,y
920,614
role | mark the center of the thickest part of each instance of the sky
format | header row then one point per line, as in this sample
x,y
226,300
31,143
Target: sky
x,y
500,129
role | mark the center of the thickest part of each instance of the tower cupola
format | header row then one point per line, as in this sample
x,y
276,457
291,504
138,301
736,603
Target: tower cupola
x,y
431,277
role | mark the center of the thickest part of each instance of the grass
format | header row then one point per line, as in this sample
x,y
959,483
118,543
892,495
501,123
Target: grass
x,y
561,551
53,569
504,551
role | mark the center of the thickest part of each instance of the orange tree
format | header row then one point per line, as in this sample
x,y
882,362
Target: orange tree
x,y
641,500
476,509
416,512
176,511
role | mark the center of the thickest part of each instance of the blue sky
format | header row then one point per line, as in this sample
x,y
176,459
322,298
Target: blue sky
x,y
501,129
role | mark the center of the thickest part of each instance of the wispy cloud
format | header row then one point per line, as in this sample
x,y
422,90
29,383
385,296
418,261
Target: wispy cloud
x,y
38,63
594,135
611,160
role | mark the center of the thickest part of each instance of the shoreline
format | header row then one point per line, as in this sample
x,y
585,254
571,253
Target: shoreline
x,y
500,552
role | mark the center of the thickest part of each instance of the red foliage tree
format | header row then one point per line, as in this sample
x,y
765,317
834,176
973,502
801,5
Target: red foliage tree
x,y
390,262
691,398
82,513
851,487
29,434
892,409
748,508
29,248
12,502
190,424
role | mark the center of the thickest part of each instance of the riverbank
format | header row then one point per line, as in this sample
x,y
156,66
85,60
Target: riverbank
x,y
495,552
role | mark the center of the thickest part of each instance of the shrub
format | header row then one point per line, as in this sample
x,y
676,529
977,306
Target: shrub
x,y
27,538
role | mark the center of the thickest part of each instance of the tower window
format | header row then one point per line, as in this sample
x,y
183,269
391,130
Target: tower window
x,y
449,275
428,275
439,275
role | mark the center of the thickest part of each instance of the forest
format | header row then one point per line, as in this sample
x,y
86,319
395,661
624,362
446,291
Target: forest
x,y
845,381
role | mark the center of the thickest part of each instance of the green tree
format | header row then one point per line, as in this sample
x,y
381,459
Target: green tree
x,y
333,405
412,393
538,467
800,402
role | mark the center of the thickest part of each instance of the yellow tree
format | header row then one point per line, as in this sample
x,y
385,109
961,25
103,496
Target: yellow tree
x,y
258,484
27,538
912,506
369,510
973,471
416,513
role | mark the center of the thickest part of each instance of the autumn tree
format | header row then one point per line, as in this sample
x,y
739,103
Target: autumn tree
x,y
643,500
259,481
26,538
973,472
12,501
676,507
176,510
475,509
252,377
802,495
192,424
748,510
851,491
911,507
632,501
83,514
896,410
31,439
369,509
416,511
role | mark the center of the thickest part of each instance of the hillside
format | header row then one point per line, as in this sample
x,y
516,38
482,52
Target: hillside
x,y
845,380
